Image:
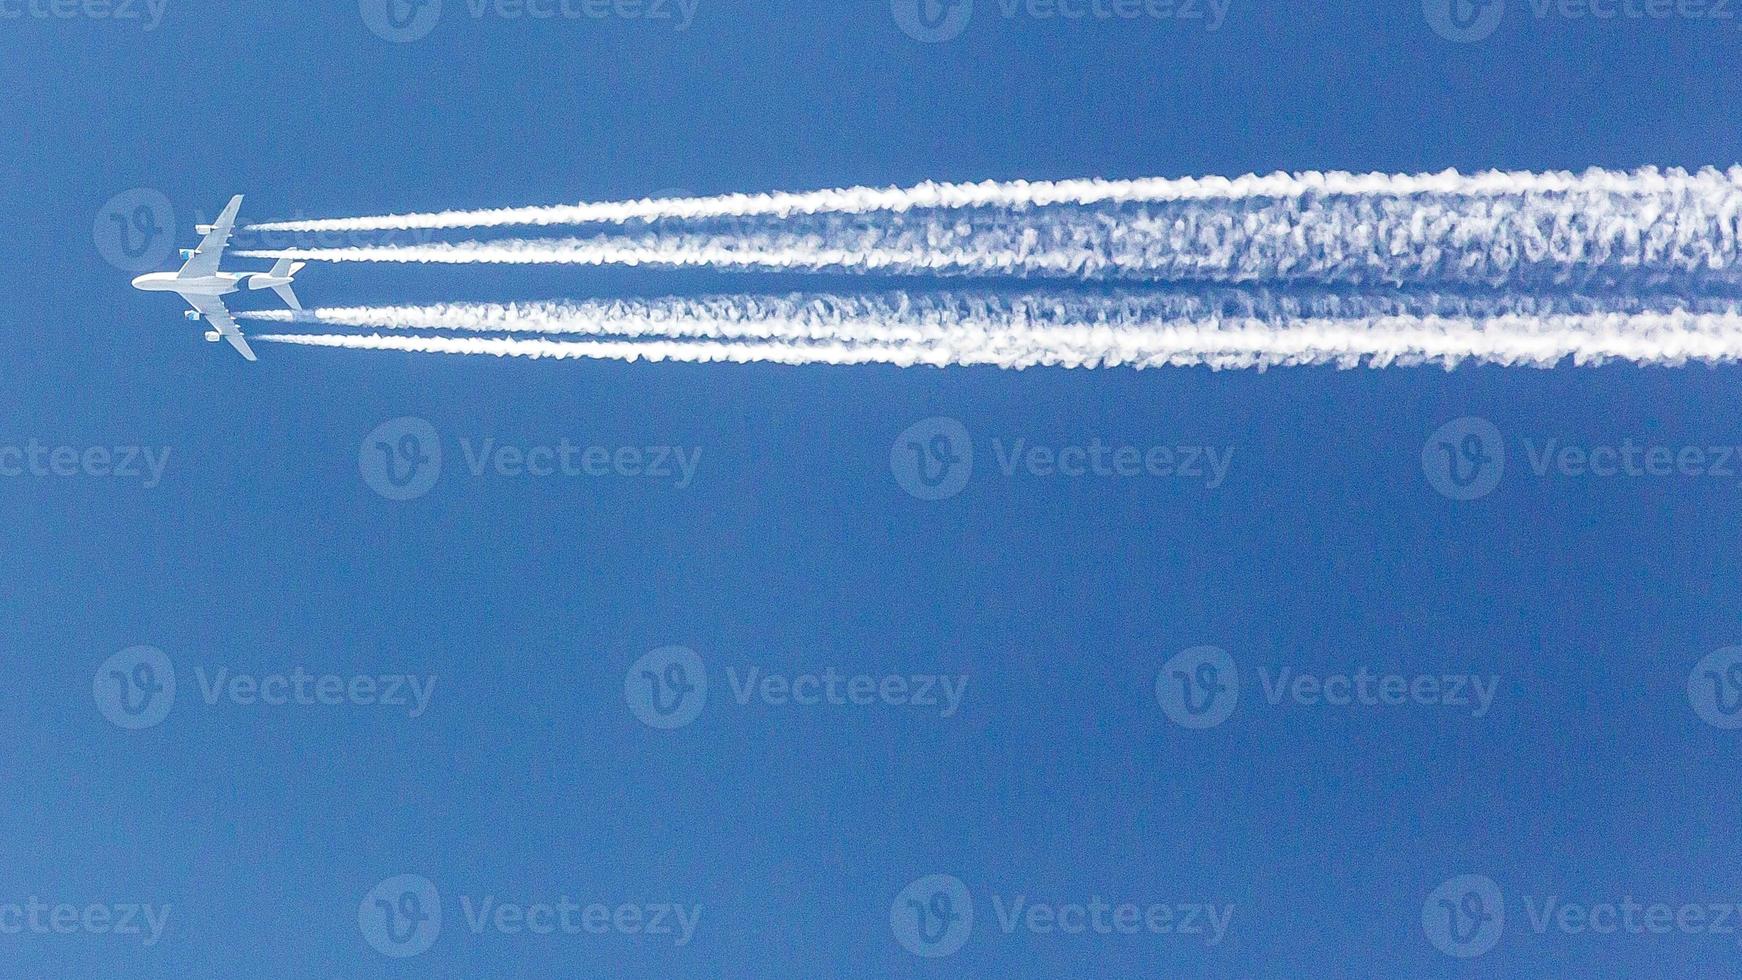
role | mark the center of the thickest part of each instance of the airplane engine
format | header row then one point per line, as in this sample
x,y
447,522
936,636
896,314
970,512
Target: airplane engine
x,y
211,336
187,253
202,229
193,315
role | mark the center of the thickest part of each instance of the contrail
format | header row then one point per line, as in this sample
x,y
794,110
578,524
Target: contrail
x,y
783,253
1669,339
1685,238
900,317
1022,194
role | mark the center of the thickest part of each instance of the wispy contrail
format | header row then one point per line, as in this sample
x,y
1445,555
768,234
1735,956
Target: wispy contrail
x,y
772,252
1021,194
903,317
1649,338
1683,238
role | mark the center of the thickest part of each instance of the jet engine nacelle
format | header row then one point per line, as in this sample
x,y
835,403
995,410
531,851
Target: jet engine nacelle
x,y
202,229
187,253
211,336
193,315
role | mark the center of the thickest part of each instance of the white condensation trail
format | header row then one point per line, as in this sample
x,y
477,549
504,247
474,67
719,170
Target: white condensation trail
x,y
1683,238
1671,339
926,317
1023,194
775,253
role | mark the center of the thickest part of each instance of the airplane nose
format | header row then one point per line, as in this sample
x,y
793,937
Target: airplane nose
x,y
139,282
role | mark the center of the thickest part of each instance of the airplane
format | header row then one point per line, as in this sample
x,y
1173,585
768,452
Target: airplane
x,y
201,284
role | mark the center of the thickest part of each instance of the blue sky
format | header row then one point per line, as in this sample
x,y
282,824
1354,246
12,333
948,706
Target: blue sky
x,y
537,613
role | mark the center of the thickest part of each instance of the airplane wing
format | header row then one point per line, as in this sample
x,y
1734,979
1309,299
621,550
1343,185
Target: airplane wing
x,y
212,308
205,258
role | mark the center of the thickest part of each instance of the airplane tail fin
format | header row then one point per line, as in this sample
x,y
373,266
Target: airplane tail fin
x,y
289,297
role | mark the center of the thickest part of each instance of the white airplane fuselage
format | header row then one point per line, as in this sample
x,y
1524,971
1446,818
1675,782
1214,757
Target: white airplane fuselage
x,y
221,284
